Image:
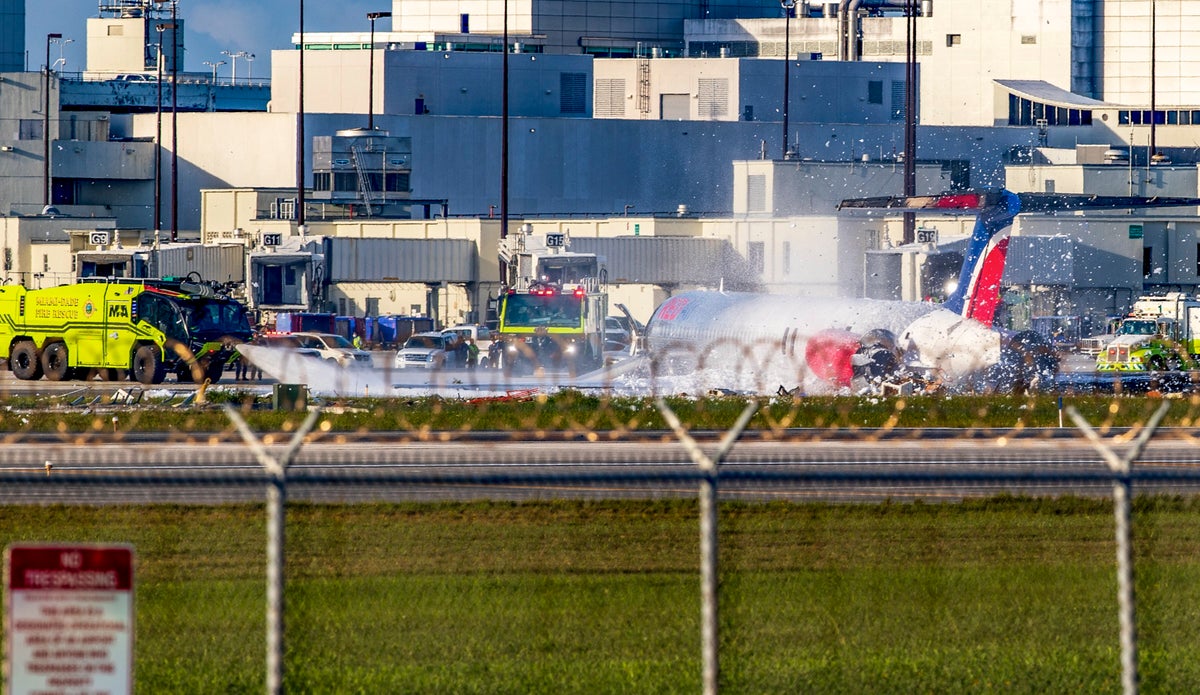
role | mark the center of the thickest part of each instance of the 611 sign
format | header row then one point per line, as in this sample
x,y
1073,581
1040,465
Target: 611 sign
x,y
273,239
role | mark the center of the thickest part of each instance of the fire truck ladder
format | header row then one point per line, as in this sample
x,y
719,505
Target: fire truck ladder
x,y
364,181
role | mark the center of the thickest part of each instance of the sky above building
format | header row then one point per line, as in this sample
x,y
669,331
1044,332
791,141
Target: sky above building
x,y
213,26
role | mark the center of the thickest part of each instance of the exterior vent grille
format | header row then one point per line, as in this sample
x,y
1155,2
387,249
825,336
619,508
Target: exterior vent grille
x,y
572,92
714,98
610,98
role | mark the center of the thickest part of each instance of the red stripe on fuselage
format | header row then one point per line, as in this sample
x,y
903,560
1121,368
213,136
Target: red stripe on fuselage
x,y
962,201
986,295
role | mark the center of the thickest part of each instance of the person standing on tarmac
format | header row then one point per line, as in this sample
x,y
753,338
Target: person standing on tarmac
x,y
472,353
240,368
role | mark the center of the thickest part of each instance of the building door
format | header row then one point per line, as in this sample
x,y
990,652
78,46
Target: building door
x,y
675,107
272,284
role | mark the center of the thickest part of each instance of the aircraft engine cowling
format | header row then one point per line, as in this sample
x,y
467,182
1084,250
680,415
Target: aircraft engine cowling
x,y
830,355
1027,362
878,354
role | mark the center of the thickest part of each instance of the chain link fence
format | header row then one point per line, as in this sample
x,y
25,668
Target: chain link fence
x,y
570,542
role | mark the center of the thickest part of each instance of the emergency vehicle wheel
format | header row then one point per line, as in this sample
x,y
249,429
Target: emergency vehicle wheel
x,y
183,373
213,369
24,361
148,365
54,362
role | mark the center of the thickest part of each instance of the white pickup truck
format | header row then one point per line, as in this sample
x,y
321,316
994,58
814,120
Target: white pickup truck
x,y
482,335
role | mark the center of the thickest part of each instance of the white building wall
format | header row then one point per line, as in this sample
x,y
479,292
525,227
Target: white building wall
x,y
1124,44
961,48
446,82
1106,179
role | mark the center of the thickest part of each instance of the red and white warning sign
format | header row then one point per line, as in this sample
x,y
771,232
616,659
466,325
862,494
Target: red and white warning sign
x,y
69,619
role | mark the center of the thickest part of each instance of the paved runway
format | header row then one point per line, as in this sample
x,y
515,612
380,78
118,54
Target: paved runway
x,y
328,471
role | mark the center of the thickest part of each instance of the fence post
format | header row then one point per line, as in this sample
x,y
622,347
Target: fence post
x,y
709,642
1122,499
276,468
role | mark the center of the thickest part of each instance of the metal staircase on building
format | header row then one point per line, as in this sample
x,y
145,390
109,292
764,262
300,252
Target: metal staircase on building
x,y
644,87
364,181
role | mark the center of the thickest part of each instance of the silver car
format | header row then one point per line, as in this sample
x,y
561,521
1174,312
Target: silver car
x,y
333,348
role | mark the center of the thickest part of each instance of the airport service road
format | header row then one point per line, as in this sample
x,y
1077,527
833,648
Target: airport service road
x,y
340,472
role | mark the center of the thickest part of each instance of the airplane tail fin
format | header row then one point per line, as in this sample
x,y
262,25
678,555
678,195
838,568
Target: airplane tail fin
x,y
977,295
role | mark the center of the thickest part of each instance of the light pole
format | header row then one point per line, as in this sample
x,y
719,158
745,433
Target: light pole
x,y
160,28
249,66
299,154
504,144
46,125
61,58
788,6
910,117
174,126
371,71
174,118
214,67
233,58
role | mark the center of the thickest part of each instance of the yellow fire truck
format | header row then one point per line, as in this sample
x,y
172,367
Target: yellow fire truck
x,y
114,328
552,316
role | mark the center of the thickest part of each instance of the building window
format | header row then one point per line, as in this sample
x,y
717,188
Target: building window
x,y
1048,185
1028,40
1147,261
756,255
1197,260
572,92
45,263
321,181
30,129
397,183
464,23
785,263
875,92
953,40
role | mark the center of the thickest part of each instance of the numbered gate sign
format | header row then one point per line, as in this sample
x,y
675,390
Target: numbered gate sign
x,y
68,619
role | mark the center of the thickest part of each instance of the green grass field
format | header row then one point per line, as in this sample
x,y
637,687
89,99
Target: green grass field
x,y
577,413
1002,595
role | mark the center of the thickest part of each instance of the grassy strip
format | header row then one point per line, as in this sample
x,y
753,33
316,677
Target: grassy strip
x,y
1001,595
585,413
